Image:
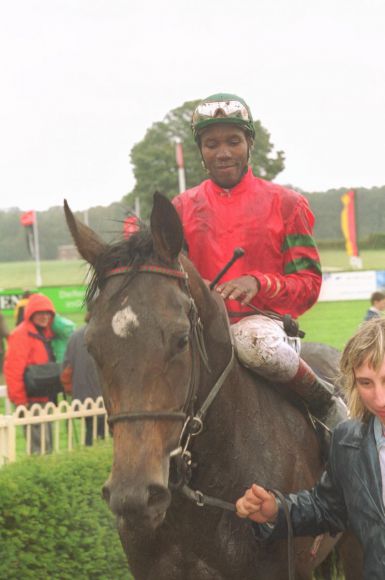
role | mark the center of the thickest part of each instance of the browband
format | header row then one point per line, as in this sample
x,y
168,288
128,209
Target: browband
x,y
150,269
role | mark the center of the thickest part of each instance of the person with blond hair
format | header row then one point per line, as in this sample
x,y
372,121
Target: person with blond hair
x,y
351,492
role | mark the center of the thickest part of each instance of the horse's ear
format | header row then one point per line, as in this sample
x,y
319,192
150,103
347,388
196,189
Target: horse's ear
x,y
88,243
166,228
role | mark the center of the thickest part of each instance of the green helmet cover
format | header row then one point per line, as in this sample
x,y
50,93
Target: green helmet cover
x,y
248,125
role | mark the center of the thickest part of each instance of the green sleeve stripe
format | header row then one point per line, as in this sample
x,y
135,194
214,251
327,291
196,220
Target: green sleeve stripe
x,y
302,264
298,240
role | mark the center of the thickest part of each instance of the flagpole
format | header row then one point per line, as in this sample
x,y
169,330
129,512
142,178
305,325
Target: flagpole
x,y
180,164
39,281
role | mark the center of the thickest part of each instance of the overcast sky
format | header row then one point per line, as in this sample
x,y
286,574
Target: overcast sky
x,y
82,81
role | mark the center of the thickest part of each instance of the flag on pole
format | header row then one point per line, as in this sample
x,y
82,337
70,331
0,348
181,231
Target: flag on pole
x,y
349,227
28,220
348,222
130,226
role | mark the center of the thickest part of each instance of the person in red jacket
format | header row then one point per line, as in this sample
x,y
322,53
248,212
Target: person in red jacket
x,y
280,270
29,344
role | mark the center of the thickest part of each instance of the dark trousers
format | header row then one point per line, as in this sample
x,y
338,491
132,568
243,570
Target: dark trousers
x,y
100,433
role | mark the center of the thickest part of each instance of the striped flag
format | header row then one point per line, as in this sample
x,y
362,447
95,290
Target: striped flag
x,y
348,222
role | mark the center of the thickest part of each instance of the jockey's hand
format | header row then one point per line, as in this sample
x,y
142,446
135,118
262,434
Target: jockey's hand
x,y
258,504
242,289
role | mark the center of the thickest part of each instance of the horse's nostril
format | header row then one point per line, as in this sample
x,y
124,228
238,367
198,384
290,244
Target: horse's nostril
x,y
157,494
106,493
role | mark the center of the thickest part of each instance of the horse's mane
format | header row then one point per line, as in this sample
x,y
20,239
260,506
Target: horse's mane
x,y
134,251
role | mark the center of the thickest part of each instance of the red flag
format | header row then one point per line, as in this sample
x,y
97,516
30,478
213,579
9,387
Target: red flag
x,y
348,222
130,226
27,218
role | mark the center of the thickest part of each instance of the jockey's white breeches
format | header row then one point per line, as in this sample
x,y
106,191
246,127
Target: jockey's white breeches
x,y
264,347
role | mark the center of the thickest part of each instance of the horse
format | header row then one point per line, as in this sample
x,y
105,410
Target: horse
x,y
191,427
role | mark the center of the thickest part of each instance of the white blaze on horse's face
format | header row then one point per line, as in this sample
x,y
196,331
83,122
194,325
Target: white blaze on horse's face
x,y
124,322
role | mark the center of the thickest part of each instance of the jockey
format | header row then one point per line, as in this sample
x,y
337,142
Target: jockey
x,y
280,270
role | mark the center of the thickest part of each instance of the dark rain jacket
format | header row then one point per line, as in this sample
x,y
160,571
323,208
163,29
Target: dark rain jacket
x,y
80,374
348,495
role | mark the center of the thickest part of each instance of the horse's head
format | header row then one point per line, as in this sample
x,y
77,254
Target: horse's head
x,y
141,335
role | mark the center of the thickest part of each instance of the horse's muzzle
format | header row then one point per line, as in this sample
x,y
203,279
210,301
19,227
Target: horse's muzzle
x,y
144,506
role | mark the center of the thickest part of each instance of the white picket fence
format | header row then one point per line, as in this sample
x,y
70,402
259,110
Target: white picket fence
x,y
4,395
68,427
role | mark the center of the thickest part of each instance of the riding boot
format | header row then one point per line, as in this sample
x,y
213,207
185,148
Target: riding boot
x,y
318,395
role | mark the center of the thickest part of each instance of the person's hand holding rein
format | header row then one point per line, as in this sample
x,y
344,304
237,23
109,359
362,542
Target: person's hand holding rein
x,y
242,289
257,504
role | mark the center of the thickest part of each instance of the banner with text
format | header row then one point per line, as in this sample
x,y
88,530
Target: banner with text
x,y
66,299
355,285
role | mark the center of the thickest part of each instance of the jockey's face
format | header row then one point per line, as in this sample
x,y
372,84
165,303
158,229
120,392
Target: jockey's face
x,y
370,384
225,153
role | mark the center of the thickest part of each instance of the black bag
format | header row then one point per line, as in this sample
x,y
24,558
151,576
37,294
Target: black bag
x,y
43,380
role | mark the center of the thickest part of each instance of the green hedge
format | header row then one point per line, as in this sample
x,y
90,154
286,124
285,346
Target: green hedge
x,y
53,521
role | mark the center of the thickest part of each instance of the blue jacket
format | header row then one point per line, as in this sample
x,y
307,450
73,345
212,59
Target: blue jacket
x,y
348,495
372,313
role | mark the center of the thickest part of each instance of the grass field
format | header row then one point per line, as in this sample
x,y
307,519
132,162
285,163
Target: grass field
x,y
337,259
22,274
53,272
333,322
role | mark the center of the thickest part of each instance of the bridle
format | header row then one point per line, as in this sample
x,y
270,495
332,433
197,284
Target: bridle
x,y
193,422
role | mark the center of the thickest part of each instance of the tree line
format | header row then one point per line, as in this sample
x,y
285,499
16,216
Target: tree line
x,y
108,222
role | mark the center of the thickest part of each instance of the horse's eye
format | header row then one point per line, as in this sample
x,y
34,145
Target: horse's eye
x,y
183,342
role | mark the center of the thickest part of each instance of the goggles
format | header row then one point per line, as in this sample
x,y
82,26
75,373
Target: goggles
x,y
220,109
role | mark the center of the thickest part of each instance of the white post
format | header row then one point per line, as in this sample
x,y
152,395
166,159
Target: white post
x,y
85,217
39,281
8,430
137,207
180,164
